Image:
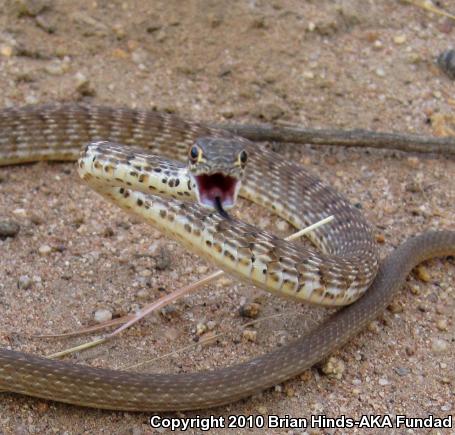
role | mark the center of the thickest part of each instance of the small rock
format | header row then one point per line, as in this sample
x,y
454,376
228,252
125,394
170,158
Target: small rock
x,y
442,325
250,335
8,229
282,225
380,238
374,326
289,391
422,274
143,294
211,325
383,382
163,259
24,282
395,307
333,368
439,345
83,85
262,410
102,315
201,328
380,72
6,50
44,250
250,310
402,371
446,61
415,290
399,39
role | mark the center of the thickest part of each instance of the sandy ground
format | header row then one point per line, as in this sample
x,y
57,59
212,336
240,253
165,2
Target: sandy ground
x,y
342,63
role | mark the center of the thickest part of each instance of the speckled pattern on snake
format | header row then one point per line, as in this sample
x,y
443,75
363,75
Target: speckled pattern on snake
x,y
345,265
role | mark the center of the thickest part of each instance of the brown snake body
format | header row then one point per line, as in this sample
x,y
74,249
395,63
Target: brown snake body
x,y
349,260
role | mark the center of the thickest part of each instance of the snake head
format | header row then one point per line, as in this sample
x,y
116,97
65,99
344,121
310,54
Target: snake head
x,y
217,166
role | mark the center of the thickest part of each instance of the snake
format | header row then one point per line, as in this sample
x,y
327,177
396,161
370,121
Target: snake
x,y
183,177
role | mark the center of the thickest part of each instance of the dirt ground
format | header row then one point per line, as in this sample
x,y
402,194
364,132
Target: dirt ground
x,y
343,63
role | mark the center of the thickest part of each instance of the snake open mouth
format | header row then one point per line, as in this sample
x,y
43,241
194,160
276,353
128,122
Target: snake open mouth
x,y
216,187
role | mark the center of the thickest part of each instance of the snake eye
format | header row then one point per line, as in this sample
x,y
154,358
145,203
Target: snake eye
x,y
243,157
194,153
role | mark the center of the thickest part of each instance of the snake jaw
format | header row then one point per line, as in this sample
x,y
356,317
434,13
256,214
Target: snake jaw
x,y
217,185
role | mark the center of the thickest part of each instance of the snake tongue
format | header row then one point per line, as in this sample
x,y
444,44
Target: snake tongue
x,y
216,190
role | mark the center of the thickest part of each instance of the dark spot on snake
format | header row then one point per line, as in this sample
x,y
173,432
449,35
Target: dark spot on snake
x,y
189,184
171,183
137,167
177,182
122,190
253,258
264,271
163,213
187,228
164,180
208,243
141,178
157,169
139,202
133,174
128,183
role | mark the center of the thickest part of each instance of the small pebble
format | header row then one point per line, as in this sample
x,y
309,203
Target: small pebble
x,y
439,345
211,325
383,382
446,61
422,274
380,238
395,307
380,72
442,325
8,229
402,371
333,368
24,282
250,335
102,315
163,259
143,294
250,310
399,39
262,410
201,328
83,85
44,250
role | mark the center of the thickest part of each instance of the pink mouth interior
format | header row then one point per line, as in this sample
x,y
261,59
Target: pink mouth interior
x,y
216,185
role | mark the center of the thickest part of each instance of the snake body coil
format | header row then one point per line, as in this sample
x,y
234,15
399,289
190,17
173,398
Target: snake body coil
x,y
347,266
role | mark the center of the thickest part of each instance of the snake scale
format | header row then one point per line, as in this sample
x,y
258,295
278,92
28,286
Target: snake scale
x,y
338,274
